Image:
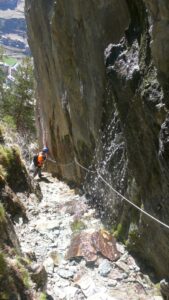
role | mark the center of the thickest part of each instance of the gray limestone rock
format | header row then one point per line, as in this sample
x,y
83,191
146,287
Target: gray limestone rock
x,y
87,285
104,268
101,296
71,292
49,265
123,266
59,293
67,274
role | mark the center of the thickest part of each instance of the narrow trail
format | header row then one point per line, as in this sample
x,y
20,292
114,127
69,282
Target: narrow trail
x,y
60,215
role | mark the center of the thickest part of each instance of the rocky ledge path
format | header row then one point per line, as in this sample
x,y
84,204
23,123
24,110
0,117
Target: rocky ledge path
x,y
81,259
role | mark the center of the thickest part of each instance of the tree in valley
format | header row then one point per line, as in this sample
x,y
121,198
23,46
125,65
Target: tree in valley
x,y
17,103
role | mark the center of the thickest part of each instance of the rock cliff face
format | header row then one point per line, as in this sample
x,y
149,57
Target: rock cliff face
x,y
15,184
67,41
102,74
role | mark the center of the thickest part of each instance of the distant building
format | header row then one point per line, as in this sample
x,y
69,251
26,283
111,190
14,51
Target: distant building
x,y
14,69
9,71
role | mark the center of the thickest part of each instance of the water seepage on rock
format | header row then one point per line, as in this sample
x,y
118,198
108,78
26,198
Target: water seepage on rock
x,y
87,245
104,268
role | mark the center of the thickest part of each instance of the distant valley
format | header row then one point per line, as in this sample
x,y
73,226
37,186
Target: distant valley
x,y
13,27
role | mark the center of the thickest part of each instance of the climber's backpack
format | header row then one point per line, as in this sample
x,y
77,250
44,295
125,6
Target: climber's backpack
x,y
35,160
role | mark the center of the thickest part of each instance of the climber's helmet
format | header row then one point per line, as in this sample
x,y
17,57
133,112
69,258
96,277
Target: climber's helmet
x,y
45,150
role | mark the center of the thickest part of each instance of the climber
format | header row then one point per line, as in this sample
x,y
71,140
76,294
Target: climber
x,y
39,160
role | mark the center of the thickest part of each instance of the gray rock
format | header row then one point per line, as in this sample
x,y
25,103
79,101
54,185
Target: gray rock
x,y
87,285
49,265
124,276
112,283
56,257
73,269
64,283
65,273
38,275
101,296
123,266
71,292
60,294
44,225
104,268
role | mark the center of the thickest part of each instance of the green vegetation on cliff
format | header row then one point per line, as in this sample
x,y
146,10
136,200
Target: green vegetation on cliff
x,y
12,168
15,281
2,213
17,97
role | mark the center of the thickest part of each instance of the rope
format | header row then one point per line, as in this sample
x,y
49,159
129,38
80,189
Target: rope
x,y
60,164
131,203
124,198
82,167
114,190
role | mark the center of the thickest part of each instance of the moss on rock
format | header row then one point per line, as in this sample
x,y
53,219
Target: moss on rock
x,y
13,279
77,225
2,213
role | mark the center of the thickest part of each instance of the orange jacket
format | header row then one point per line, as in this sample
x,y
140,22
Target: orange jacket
x,y
41,159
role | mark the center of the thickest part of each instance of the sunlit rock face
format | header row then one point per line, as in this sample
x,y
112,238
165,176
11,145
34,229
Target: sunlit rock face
x,y
102,73
159,30
67,40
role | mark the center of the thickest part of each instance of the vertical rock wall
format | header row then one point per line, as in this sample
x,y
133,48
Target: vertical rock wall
x,y
141,100
159,30
102,73
67,39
